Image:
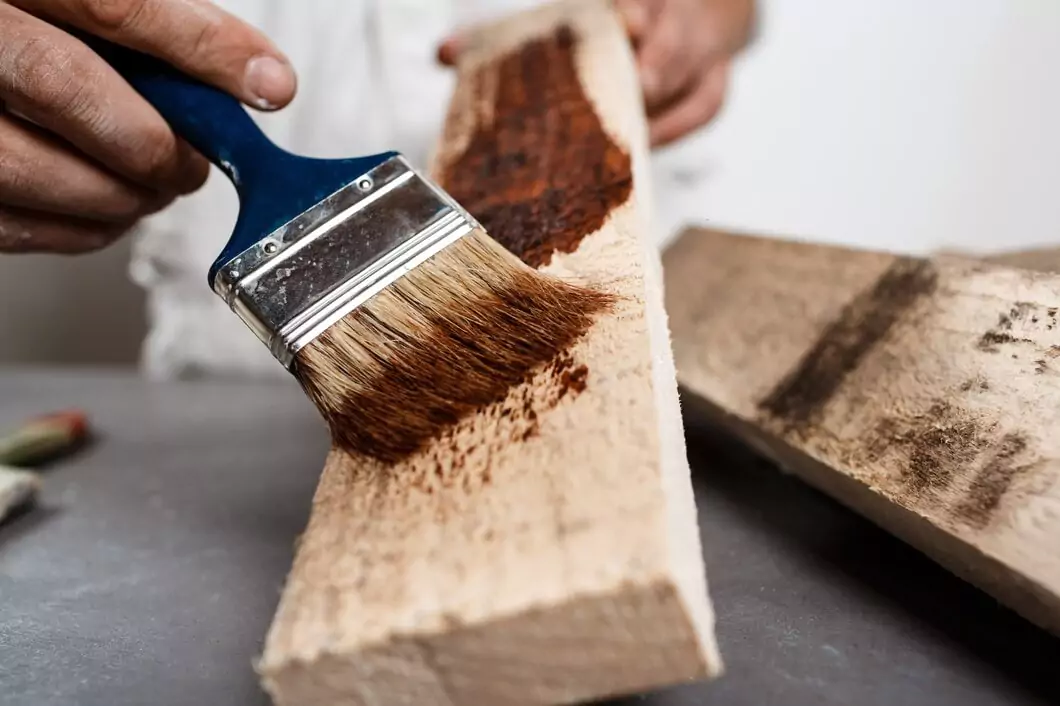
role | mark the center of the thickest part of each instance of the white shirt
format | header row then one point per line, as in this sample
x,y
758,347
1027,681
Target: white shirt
x,y
368,82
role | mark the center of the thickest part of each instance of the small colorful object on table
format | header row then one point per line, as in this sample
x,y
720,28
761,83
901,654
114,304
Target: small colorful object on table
x,y
44,438
39,440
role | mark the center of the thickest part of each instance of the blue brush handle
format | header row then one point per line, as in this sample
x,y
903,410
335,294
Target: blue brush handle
x,y
274,186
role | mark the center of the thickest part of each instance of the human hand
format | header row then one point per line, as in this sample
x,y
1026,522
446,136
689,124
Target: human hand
x,y
82,155
683,50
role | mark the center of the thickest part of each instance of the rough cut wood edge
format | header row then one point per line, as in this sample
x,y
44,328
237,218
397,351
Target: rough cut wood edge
x,y
923,394
548,552
1044,259
1039,259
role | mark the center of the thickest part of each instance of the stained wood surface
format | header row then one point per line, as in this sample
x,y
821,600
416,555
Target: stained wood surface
x,y
546,550
923,393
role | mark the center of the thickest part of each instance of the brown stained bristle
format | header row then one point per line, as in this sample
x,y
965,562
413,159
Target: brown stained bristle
x,y
447,339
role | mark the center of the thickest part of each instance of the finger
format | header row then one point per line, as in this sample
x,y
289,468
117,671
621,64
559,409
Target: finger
x,y
25,231
667,59
450,49
39,172
638,16
696,109
61,85
194,35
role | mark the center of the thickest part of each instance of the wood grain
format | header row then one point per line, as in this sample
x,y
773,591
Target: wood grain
x,y
923,393
546,550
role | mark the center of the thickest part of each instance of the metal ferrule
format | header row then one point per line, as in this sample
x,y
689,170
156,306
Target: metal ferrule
x,y
309,273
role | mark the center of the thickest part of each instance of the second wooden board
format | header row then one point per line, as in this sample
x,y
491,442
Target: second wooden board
x,y
923,393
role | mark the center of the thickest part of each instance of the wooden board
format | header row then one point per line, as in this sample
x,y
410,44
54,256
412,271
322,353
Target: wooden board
x,y
546,550
1043,259
1039,259
924,394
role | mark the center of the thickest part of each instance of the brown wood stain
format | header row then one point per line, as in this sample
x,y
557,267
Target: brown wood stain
x,y
540,172
935,450
798,400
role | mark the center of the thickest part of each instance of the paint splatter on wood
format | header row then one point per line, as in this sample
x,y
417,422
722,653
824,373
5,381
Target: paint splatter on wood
x,y
1001,334
516,419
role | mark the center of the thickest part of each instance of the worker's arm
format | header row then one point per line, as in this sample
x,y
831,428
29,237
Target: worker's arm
x,y
684,49
82,156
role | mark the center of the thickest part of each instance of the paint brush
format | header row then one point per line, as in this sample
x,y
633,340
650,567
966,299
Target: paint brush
x,y
389,303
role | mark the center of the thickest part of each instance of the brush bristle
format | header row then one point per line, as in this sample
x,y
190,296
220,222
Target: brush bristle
x,y
450,337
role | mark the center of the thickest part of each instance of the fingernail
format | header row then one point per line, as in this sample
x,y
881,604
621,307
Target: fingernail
x,y
269,81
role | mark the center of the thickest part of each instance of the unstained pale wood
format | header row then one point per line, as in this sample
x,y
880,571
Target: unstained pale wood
x,y
547,550
923,393
1039,259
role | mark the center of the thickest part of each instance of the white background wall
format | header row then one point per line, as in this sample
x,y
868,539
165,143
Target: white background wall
x,y
894,124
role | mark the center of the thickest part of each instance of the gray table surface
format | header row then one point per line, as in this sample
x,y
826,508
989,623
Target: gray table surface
x,y
151,568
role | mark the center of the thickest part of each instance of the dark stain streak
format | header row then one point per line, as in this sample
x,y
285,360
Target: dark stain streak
x,y
993,481
863,323
939,447
938,444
